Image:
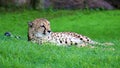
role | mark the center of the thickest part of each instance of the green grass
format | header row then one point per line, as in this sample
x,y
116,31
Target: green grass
x,y
101,26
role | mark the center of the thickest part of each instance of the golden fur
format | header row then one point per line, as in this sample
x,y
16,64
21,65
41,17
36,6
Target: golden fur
x,y
40,32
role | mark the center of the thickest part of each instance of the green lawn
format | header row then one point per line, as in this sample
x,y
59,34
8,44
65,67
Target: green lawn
x,y
101,26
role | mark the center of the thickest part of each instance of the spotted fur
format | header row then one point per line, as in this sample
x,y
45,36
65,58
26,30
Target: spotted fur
x,y
40,32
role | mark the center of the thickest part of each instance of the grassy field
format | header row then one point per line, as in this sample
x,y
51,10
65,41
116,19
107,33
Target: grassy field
x,y
101,26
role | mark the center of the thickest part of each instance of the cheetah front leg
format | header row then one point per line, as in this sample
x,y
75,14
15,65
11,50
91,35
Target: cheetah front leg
x,y
81,45
85,45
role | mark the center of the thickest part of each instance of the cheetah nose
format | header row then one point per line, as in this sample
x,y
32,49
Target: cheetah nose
x,y
49,31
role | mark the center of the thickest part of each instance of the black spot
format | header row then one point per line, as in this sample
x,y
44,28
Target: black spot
x,y
60,41
87,39
81,38
66,42
75,43
78,36
71,43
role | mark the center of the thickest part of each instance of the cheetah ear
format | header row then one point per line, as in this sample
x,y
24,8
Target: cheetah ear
x,y
30,24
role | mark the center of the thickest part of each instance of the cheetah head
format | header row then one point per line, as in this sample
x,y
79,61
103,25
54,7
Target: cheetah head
x,y
40,27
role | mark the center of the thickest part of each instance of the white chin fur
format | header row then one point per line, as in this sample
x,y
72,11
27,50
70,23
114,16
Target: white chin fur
x,y
41,34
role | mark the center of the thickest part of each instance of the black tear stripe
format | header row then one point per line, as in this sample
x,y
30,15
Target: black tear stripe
x,y
44,29
44,32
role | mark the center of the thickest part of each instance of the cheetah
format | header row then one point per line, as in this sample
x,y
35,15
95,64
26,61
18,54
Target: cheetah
x,y
39,31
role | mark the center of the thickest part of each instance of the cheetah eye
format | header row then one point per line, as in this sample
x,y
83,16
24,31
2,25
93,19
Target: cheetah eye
x,y
41,25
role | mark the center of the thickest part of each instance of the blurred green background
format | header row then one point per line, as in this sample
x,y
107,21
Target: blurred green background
x,y
101,24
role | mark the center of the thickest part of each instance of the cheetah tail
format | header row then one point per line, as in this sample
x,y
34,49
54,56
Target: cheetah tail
x,y
104,44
